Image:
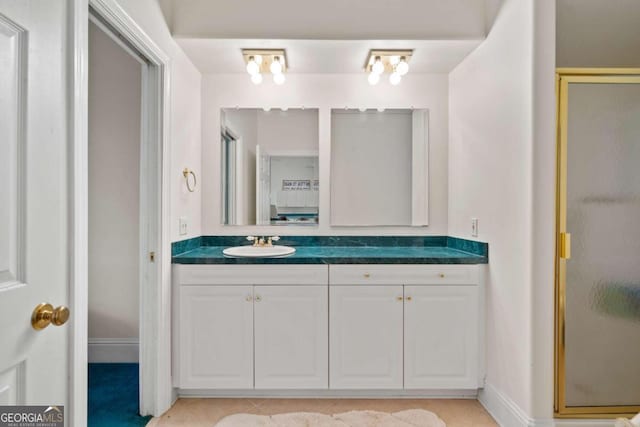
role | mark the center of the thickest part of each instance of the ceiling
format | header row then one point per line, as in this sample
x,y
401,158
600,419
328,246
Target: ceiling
x,y
327,36
325,56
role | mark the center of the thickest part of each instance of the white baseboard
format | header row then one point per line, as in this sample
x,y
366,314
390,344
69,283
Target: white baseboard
x,y
508,414
504,410
331,394
113,350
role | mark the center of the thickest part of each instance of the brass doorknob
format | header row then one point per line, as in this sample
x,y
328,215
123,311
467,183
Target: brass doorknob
x,y
44,314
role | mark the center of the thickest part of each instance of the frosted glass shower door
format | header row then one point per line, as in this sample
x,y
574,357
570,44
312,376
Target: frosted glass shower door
x,y
599,280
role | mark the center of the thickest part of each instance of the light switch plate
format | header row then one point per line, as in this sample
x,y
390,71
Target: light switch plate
x,y
474,227
183,225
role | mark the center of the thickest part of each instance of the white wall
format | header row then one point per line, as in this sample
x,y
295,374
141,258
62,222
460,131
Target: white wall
x,y
185,115
490,163
598,33
114,169
429,91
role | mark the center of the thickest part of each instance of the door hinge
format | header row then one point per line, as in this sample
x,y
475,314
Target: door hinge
x,y
152,256
565,245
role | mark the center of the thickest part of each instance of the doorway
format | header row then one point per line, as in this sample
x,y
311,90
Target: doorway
x,y
116,72
154,256
598,243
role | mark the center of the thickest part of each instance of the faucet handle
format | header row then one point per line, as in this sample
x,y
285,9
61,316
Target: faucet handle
x,y
275,238
251,238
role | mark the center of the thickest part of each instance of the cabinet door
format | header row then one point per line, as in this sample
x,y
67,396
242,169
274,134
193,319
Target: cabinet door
x,y
216,337
291,337
441,337
365,337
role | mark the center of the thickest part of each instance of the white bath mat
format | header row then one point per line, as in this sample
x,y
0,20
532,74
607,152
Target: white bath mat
x,y
408,418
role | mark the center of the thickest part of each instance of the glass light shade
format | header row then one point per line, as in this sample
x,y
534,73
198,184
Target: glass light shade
x,y
256,78
258,59
377,67
276,66
373,78
395,78
278,78
402,68
252,67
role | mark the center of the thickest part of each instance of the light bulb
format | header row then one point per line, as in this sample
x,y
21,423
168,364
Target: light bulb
x,y
378,66
276,66
284,108
256,79
402,68
252,67
380,110
395,78
373,78
266,109
362,109
394,59
278,78
258,59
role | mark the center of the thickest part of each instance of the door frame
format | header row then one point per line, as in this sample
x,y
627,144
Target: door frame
x,y
156,391
565,76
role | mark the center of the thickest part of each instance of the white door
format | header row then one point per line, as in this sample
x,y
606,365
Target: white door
x,y
291,337
365,337
441,337
34,200
216,337
263,186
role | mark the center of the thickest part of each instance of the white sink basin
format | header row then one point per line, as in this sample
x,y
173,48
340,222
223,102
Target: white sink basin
x,y
259,252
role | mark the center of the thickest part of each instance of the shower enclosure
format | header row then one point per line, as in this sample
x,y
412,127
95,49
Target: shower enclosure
x,y
598,243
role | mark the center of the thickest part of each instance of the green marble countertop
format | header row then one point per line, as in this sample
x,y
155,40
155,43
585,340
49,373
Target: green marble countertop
x,y
340,255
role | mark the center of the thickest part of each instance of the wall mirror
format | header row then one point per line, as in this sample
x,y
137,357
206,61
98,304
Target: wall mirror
x,y
269,166
379,167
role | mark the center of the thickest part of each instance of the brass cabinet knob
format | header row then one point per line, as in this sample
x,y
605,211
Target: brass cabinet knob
x,y
441,274
258,298
409,298
44,314
399,298
249,298
366,275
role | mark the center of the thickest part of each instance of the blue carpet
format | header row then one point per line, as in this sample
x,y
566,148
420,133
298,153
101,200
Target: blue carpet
x,y
113,395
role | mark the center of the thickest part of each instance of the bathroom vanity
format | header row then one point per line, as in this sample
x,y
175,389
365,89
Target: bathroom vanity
x,y
330,320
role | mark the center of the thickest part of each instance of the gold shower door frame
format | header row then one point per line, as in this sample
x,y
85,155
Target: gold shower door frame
x,y
564,77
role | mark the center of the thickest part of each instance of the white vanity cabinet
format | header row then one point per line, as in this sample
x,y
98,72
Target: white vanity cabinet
x,y
290,336
366,337
403,328
245,327
215,347
441,328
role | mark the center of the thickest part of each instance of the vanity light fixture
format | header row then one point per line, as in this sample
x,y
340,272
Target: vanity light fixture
x,y
395,62
261,61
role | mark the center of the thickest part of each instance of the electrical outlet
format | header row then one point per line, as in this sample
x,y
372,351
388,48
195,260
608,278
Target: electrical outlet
x,y
474,227
183,225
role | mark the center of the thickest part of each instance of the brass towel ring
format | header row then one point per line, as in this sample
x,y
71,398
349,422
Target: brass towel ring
x,y
186,172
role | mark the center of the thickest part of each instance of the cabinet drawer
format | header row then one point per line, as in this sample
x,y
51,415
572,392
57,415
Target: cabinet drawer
x,y
397,274
280,274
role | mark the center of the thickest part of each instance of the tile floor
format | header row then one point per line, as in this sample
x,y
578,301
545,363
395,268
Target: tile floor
x,y
206,412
